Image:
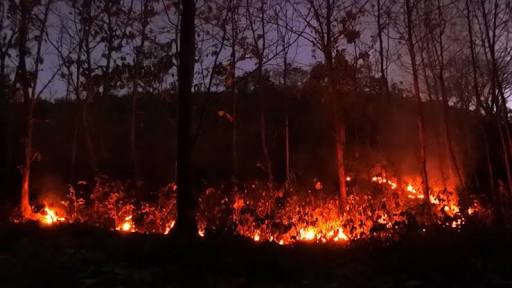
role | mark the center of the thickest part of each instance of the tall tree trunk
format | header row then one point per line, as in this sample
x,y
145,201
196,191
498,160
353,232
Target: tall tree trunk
x,y
490,169
420,119
383,77
474,64
506,160
263,127
139,52
23,76
336,115
286,119
234,92
26,209
497,92
260,54
186,203
340,157
478,100
84,103
444,97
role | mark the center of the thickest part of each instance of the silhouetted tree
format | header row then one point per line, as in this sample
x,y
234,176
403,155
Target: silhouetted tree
x,y
186,218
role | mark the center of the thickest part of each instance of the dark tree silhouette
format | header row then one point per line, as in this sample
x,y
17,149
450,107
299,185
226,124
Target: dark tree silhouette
x,y
185,221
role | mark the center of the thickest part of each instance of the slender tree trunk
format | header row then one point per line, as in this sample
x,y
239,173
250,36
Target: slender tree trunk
x,y
26,209
286,120
234,92
139,52
420,119
489,163
100,100
263,128
339,138
186,202
340,156
383,77
23,76
497,89
506,160
441,162
474,69
444,97
478,100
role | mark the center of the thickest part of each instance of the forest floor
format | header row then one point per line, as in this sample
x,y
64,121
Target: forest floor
x,y
78,256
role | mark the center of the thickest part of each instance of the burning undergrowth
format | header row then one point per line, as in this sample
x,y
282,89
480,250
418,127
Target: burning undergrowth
x,y
263,213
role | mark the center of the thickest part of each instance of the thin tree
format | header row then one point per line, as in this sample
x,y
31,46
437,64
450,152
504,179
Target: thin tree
x,y
326,35
257,19
28,81
420,119
144,17
186,222
439,50
476,88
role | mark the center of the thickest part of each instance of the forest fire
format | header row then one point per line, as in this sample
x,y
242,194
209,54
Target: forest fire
x,y
308,123
126,225
264,216
49,216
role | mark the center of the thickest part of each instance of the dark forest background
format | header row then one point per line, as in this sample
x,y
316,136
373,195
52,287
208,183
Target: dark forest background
x,y
89,88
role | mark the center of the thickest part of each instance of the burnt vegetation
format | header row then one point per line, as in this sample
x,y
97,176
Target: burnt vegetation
x,y
367,138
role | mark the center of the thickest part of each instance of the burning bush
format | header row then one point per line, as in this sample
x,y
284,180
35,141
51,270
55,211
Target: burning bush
x,y
262,213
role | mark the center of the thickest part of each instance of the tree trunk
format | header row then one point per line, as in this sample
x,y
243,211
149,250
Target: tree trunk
x,y
444,97
23,77
489,164
26,209
263,128
420,119
186,203
234,92
340,157
139,52
506,161
383,76
474,70
286,121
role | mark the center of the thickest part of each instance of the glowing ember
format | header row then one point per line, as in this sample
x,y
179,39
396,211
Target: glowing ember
x,y
341,236
126,225
381,180
49,217
434,200
307,234
169,227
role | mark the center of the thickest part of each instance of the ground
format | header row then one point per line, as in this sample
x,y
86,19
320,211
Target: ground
x,y
78,256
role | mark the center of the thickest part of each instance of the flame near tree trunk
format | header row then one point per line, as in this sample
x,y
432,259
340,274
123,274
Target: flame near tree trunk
x,y
261,215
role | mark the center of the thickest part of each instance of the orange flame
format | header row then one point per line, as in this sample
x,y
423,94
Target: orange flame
x,y
127,225
50,217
